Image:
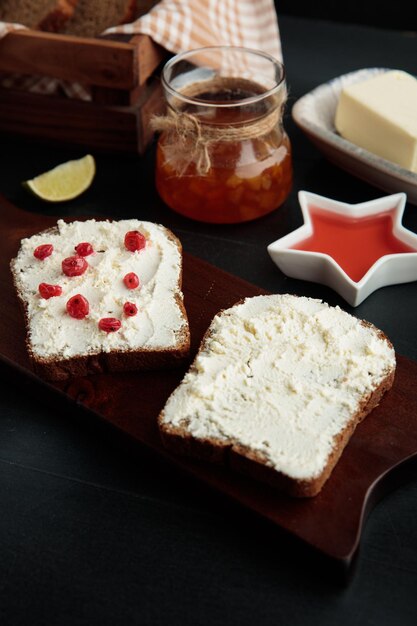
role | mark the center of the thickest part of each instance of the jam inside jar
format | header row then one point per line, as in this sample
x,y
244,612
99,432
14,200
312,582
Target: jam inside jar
x,y
223,155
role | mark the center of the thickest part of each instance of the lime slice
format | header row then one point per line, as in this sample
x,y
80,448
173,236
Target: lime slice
x,y
64,182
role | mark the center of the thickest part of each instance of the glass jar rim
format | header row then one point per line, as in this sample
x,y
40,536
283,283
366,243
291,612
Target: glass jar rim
x,y
236,103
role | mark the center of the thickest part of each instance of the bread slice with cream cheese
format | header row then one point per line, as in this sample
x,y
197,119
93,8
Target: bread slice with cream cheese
x,y
277,389
151,328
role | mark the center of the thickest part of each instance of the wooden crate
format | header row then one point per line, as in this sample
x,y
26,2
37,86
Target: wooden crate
x,y
119,72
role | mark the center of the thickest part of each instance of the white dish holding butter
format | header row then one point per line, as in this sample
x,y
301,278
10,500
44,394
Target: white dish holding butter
x,y
315,114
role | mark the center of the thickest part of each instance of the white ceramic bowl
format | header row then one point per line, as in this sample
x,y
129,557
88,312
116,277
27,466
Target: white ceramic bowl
x,y
315,112
389,269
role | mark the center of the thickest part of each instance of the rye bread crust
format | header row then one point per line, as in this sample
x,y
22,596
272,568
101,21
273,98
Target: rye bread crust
x,y
89,21
58,369
248,462
51,18
58,17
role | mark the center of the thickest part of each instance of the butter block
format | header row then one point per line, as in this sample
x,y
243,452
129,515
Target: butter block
x,y
380,115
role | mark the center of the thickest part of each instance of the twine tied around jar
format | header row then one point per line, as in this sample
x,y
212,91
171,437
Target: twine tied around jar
x,y
188,138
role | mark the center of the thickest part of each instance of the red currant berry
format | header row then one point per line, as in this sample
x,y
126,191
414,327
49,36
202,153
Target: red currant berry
x,y
134,240
74,266
78,307
131,280
84,249
41,252
109,324
49,291
130,309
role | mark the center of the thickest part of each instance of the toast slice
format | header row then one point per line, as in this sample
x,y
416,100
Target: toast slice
x,y
277,389
139,286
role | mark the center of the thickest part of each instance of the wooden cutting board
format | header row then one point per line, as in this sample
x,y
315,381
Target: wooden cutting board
x,y
332,521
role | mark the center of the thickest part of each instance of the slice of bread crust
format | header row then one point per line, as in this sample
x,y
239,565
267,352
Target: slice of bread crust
x,y
247,460
57,367
56,20
92,17
49,15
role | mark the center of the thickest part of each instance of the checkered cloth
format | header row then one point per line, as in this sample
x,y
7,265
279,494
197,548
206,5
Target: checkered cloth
x,y
180,25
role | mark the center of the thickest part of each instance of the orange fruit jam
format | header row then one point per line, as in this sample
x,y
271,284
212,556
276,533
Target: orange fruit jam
x,y
245,179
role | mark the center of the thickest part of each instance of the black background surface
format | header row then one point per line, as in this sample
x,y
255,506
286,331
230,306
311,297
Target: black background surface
x,y
400,15
94,530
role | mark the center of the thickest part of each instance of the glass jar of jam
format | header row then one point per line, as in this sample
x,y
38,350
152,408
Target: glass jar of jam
x,y
223,155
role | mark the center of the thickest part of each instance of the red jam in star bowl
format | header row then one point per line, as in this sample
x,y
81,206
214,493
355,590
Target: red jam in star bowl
x,y
354,243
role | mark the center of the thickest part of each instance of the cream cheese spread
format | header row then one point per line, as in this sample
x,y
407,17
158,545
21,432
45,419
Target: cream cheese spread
x,y
53,333
380,115
283,376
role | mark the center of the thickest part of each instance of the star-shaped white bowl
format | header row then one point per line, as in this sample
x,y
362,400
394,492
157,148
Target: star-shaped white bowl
x,y
318,266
